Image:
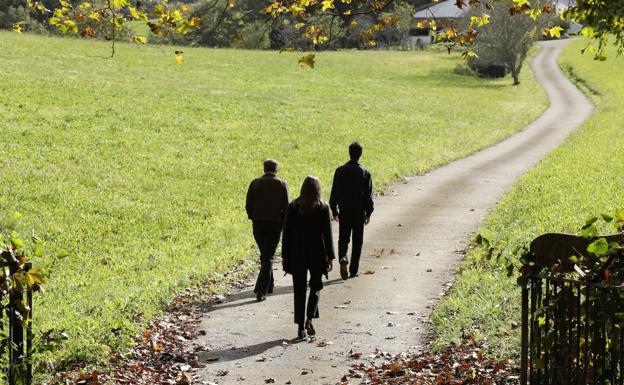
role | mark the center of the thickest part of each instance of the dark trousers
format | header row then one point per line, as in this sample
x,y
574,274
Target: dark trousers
x,y
267,235
351,223
300,283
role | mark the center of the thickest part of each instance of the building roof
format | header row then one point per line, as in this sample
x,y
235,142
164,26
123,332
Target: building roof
x,y
441,10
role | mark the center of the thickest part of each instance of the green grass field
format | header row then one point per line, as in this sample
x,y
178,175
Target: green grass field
x,y
584,177
136,167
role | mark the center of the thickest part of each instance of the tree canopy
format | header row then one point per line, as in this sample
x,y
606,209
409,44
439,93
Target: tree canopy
x,y
315,21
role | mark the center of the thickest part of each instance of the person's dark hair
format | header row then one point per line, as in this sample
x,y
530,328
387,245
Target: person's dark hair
x,y
310,197
270,165
355,151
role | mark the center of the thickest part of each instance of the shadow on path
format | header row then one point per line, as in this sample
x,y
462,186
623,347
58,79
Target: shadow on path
x,y
237,353
238,299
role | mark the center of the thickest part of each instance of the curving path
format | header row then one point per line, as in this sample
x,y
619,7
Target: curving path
x,y
424,221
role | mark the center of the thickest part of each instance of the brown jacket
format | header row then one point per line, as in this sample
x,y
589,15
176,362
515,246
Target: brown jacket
x,y
267,199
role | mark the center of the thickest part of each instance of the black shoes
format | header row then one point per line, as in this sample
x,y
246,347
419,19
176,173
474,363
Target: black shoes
x,y
353,275
344,273
260,297
309,328
301,334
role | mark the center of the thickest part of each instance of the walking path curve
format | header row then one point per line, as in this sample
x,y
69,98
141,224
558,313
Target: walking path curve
x,y
425,221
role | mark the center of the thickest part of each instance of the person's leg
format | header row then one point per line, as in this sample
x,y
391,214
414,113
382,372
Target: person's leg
x,y
300,278
258,233
273,237
316,284
356,246
267,237
344,234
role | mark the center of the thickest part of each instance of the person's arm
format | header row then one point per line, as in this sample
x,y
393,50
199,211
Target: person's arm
x,y
285,200
333,196
327,237
249,200
286,241
370,206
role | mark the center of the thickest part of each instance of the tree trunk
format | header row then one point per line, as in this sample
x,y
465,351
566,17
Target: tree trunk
x,y
515,75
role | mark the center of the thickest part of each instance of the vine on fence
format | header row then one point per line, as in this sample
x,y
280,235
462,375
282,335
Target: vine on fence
x,y
18,280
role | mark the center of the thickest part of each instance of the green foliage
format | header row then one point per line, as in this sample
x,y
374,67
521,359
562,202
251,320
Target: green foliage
x,y
134,171
583,176
17,278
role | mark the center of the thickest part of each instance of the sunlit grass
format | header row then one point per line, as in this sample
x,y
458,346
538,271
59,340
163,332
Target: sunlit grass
x,y
138,167
584,177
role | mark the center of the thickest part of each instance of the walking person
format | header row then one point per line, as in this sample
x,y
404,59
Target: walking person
x,y
267,201
307,246
351,203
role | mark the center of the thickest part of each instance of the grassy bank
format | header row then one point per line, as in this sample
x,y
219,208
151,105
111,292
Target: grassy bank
x,y
134,169
581,178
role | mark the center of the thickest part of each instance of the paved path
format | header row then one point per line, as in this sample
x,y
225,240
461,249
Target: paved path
x,y
420,224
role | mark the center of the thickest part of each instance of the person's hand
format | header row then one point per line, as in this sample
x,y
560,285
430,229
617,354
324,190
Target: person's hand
x,y
335,218
366,220
330,265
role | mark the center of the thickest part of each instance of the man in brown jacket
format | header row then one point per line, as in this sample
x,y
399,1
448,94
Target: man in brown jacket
x,y
267,201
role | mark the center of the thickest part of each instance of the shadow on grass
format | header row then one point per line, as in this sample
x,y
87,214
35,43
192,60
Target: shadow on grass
x,y
461,80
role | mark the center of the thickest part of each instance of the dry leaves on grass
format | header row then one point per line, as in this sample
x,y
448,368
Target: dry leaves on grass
x,y
163,354
465,364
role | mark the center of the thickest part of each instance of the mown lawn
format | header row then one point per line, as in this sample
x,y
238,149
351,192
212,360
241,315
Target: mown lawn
x,y
583,177
134,169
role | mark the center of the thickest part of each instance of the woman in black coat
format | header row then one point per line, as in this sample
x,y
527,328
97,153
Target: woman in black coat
x,y
307,245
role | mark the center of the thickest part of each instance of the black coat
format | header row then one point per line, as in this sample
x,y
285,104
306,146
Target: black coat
x,y
307,240
352,189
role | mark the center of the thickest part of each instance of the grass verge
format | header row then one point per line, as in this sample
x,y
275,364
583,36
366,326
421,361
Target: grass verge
x,y
581,178
133,170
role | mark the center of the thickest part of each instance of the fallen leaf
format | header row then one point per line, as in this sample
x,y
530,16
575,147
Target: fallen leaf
x,y
369,271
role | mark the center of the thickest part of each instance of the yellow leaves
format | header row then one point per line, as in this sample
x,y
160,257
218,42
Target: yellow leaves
x,y
179,57
185,8
136,15
353,24
299,25
139,39
119,3
535,13
307,61
465,55
158,10
327,4
195,22
37,6
315,34
479,21
85,6
18,27
29,278
555,32
521,3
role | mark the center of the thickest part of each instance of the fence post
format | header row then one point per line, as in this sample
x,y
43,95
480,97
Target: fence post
x,y
524,336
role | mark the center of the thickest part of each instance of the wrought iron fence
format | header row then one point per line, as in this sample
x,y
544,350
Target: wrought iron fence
x,y
572,332
19,339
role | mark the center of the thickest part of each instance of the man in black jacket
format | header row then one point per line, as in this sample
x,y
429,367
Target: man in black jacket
x,y
351,202
267,201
